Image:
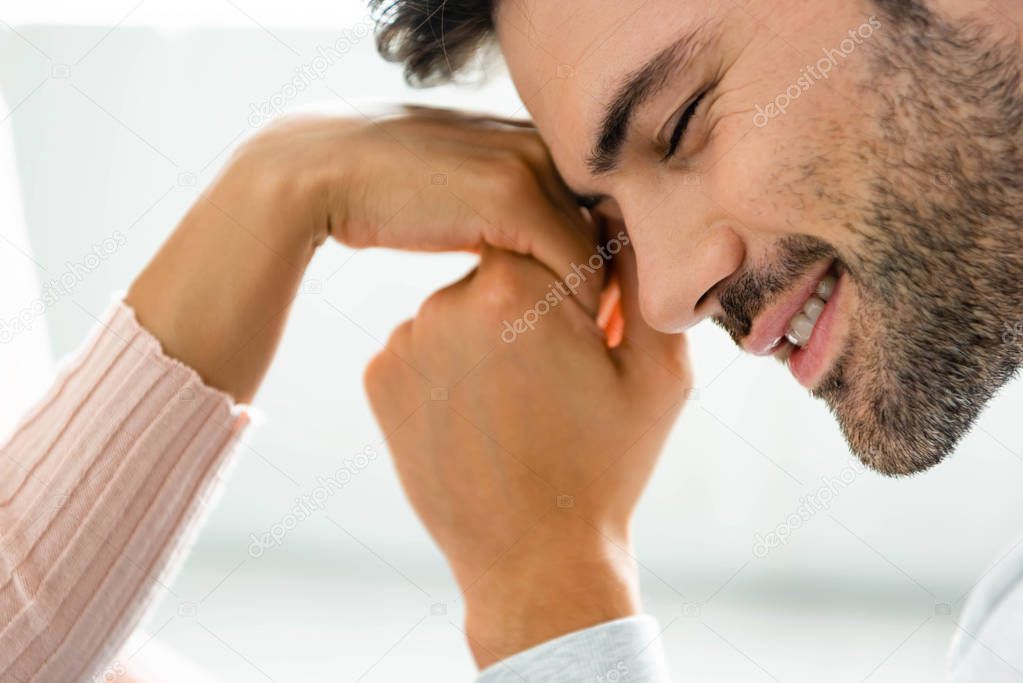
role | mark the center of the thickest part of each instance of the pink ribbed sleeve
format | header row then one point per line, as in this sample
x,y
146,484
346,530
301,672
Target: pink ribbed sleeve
x,y
97,487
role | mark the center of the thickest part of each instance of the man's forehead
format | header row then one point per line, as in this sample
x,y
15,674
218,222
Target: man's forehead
x,y
567,58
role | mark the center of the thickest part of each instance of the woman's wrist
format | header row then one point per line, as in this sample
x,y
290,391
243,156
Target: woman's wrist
x,y
218,292
305,166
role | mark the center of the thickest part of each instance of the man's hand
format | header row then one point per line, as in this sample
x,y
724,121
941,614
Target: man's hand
x,y
525,459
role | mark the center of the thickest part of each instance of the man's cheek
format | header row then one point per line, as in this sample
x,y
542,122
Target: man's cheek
x,y
751,183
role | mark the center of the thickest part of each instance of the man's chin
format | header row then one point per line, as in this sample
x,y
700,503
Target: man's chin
x,y
887,431
894,460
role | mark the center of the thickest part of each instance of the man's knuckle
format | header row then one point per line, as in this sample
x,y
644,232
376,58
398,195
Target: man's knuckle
x,y
398,343
374,374
509,286
385,369
433,309
500,298
380,378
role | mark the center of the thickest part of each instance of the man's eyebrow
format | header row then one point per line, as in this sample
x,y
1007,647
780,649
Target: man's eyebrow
x,y
637,88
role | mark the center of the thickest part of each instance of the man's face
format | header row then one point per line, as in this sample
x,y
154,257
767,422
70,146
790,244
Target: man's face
x,y
839,184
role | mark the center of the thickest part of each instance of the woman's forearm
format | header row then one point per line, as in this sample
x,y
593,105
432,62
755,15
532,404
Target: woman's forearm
x,y
217,294
101,481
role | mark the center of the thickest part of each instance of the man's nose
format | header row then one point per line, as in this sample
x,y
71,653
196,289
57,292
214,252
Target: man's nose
x,y
680,271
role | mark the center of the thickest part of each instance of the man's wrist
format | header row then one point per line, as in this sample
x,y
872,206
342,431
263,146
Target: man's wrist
x,y
548,586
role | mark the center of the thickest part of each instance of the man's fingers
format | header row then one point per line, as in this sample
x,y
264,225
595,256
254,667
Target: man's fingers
x,y
392,379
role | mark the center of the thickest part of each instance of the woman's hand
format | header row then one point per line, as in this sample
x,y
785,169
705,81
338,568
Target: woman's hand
x,y
218,292
432,180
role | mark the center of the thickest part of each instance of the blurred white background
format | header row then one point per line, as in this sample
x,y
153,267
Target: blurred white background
x,y
122,110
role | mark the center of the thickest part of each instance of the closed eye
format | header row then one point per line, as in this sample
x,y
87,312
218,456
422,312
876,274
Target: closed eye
x,y
680,128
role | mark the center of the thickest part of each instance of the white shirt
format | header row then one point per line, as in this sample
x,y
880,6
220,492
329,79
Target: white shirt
x,y
987,649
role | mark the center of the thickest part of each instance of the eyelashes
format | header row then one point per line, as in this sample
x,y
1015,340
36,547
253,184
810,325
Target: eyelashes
x,y
683,124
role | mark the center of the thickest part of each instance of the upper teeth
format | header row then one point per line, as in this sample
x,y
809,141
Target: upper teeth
x,y
801,326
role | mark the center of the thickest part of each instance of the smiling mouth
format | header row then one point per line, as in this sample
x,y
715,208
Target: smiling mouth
x,y
816,333
803,327
802,324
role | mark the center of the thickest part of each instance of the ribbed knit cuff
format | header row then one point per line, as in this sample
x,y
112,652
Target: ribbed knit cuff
x,y
97,488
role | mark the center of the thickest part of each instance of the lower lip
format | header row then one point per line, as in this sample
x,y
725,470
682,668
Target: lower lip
x,y
809,363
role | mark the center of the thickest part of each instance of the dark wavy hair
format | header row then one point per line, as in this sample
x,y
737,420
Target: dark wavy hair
x,y
436,40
